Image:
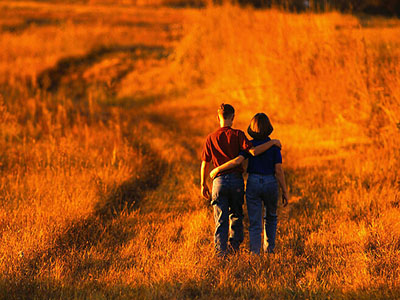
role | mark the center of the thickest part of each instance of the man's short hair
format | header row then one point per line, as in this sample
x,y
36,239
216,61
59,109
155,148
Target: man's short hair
x,y
226,111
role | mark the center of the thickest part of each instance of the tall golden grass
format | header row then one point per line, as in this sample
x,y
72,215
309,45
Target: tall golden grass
x,y
103,112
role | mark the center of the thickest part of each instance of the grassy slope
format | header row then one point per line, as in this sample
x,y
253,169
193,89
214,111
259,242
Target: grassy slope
x,y
103,117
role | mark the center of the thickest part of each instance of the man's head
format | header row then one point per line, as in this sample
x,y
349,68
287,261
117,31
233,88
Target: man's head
x,y
226,113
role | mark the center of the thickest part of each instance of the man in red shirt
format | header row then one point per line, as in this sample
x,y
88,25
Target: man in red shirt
x,y
228,186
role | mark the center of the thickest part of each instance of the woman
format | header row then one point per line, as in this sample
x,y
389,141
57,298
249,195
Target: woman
x,y
265,172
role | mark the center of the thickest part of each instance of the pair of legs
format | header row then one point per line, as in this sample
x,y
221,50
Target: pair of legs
x,y
227,201
262,189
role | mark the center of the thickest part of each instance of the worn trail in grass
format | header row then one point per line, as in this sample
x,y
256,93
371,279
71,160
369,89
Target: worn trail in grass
x,y
99,163
151,132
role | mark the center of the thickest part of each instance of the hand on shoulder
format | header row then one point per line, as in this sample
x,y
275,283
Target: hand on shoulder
x,y
277,143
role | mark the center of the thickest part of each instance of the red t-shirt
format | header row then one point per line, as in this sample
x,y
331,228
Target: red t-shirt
x,y
223,145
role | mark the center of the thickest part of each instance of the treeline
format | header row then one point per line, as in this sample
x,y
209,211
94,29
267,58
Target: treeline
x,y
381,7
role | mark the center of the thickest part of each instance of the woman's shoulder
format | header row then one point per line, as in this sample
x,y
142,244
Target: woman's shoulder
x,y
257,142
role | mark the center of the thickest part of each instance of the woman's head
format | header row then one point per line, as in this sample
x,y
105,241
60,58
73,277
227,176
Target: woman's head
x,y
260,127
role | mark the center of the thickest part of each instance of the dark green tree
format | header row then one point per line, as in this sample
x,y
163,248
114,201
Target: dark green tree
x,y
383,7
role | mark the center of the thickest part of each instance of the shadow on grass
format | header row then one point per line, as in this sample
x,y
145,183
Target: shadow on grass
x,y
102,227
177,125
84,20
68,74
203,289
130,102
39,22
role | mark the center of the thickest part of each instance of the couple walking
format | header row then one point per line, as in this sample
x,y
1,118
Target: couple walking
x,y
227,148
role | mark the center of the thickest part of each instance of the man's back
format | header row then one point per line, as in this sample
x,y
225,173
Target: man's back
x,y
223,145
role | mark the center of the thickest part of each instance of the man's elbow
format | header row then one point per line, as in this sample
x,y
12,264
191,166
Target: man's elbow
x,y
236,163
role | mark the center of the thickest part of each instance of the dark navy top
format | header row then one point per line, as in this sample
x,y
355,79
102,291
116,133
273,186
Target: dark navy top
x,y
265,162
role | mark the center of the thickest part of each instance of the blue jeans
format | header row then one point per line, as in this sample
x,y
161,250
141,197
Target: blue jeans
x,y
227,201
262,189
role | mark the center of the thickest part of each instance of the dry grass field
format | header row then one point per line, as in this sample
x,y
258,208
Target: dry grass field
x,y
103,113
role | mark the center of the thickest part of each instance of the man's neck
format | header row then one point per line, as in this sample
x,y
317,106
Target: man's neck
x,y
225,124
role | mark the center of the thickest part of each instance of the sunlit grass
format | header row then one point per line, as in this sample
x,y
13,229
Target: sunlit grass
x,y
103,112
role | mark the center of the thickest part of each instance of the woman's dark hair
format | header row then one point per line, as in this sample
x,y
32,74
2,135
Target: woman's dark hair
x,y
260,127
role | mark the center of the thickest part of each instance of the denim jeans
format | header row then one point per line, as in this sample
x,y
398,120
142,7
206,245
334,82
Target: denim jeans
x,y
227,201
262,189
